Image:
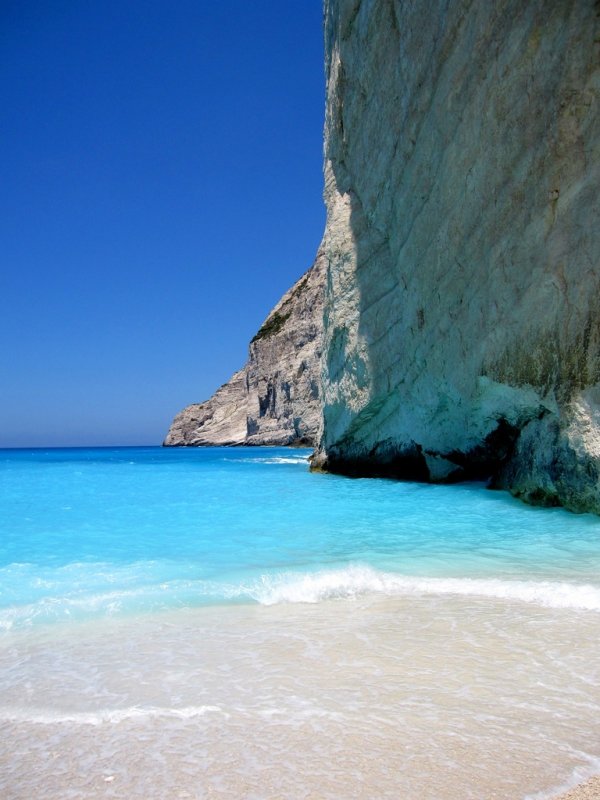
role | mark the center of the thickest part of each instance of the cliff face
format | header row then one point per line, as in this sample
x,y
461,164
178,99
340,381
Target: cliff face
x,y
275,398
462,324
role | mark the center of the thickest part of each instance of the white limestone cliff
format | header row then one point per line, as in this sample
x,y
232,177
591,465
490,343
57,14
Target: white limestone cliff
x,y
275,398
219,421
462,310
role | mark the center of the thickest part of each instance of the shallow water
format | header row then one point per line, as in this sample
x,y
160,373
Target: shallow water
x,y
223,624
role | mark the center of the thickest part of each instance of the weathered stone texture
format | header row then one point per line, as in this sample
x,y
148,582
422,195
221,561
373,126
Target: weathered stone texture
x,y
275,399
462,165
219,421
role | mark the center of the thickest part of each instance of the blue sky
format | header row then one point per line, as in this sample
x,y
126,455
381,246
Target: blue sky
x,y
160,188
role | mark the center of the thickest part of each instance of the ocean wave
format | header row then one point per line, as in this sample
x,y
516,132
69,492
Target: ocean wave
x,y
160,596
358,580
103,716
289,587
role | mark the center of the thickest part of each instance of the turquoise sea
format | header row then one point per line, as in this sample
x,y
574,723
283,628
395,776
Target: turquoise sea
x,y
223,623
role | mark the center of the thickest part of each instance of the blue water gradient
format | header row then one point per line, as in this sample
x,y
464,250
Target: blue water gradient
x,y
96,531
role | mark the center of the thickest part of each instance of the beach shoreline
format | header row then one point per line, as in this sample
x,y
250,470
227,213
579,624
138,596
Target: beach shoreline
x,y
262,701
374,640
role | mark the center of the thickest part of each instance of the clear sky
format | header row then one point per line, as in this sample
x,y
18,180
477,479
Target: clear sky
x,y
160,188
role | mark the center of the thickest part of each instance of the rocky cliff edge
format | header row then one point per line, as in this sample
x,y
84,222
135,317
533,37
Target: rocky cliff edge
x,y
462,166
275,399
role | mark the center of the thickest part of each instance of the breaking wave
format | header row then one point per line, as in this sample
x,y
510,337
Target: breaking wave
x,y
293,587
358,580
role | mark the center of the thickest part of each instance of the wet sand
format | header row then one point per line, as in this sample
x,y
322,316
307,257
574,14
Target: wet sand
x,y
428,698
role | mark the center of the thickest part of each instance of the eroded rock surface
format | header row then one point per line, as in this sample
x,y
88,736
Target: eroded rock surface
x,y
275,398
462,165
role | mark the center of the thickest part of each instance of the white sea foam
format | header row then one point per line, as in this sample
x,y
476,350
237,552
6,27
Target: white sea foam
x,y
103,716
292,587
270,460
285,460
360,580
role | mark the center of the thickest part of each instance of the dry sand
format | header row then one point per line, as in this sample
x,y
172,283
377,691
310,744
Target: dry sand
x,y
590,790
